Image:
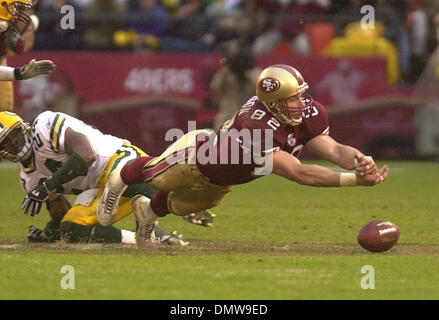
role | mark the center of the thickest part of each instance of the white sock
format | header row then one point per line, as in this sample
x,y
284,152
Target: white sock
x,y
128,237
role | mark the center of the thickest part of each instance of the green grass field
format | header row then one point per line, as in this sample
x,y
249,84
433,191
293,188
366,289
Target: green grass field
x,y
272,239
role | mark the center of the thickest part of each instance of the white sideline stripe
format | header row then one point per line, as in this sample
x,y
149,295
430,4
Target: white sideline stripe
x,y
10,246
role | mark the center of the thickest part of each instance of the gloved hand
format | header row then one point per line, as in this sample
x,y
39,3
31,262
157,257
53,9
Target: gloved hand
x,y
169,238
35,198
35,234
35,68
202,218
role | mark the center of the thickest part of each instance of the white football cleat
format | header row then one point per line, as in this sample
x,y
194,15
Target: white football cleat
x,y
109,202
145,218
145,235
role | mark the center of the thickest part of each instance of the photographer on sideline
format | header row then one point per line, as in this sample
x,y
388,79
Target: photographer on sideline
x,y
234,83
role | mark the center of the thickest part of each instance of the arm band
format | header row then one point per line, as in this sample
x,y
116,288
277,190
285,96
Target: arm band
x,y
73,167
348,179
17,74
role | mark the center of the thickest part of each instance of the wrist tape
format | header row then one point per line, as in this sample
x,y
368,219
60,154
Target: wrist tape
x,y
348,179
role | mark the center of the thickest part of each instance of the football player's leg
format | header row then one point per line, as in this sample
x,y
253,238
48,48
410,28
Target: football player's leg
x,y
113,185
171,177
144,169
80,224
185,201
76,233
179,202
197,194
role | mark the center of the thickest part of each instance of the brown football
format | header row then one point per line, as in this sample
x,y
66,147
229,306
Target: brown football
x,y
378,235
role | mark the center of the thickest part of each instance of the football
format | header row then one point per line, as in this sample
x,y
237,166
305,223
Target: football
x,y
378,235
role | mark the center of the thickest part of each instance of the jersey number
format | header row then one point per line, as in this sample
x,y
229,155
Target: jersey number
x,y
37,141
259,114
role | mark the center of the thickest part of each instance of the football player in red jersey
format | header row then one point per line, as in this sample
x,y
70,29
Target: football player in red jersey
x,y
264,136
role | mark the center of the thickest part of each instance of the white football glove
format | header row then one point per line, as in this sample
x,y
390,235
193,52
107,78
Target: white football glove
x,y
202,218
35,68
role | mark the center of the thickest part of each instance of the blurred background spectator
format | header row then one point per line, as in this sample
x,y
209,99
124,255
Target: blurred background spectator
x,y
190,29
146,24
103,18
418,26
294,29
234,83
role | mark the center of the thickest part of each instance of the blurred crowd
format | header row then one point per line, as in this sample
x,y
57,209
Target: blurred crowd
x,y
410,28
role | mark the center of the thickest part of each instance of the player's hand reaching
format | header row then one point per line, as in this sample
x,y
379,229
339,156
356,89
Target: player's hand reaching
x,y
35,68
367,172
364,165
35,199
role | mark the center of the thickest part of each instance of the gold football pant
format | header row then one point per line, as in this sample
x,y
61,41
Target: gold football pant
x,y
175,171
87,214
6,96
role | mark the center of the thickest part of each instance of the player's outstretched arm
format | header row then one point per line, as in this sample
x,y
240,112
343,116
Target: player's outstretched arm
x,y
288,166
347,157
327,148
32,69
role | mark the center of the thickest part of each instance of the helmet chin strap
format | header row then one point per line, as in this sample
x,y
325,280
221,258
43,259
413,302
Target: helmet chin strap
x,y
26,151
286,118
296,122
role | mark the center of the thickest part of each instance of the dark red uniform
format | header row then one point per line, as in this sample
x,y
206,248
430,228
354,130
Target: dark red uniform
x,y
230,168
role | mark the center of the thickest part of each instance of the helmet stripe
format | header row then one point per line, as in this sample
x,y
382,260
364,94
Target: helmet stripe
x,y
293,71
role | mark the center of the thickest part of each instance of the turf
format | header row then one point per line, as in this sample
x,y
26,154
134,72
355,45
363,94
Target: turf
x,y
272,239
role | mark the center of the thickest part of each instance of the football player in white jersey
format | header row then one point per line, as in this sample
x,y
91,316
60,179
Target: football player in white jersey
x,y
61,155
